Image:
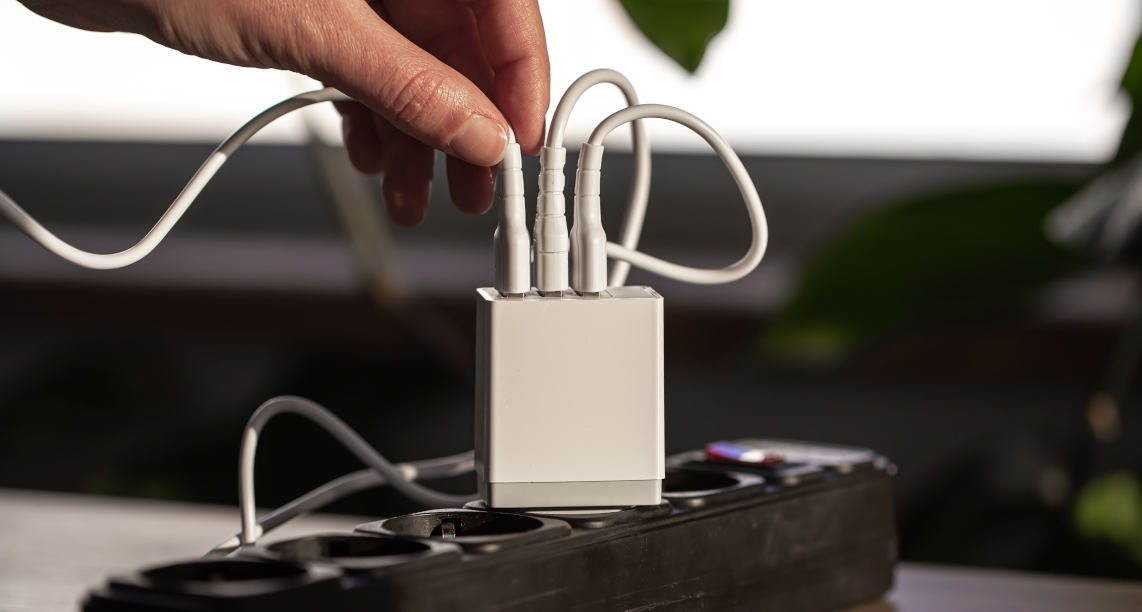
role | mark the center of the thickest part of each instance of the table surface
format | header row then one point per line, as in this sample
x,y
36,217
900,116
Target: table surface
x,y
54,547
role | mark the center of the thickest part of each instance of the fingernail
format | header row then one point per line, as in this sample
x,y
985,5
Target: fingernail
x,y
480,141
407,208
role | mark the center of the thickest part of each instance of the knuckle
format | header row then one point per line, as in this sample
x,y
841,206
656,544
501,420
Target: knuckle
x,y
416,96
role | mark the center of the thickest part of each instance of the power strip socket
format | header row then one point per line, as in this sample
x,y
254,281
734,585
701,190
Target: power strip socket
x,y
797,536
569,399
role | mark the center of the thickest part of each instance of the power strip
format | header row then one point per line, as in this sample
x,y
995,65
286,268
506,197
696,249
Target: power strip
x,y
808,535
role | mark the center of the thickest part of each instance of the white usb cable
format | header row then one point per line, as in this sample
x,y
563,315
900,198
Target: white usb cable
x,y
108,261
353,482
589,248
512,275
353,442
511,243
552,241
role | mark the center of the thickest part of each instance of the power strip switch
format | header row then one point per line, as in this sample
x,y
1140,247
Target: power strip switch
x,y
569,399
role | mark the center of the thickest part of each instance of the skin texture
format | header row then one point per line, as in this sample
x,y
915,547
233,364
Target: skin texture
x,y
450,75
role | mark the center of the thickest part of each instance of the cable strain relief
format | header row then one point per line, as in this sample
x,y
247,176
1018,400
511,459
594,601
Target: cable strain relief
x,y
590,156
588,176
588,239
552,239
551,182
551,271
511,243
553,158
513,158
587,184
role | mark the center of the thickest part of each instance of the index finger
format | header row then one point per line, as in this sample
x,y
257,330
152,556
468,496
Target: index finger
x,y
511,35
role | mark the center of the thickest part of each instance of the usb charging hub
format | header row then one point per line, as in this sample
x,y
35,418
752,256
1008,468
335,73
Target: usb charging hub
x,y
569,399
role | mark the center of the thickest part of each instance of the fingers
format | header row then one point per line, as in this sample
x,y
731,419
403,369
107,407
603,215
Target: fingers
x,y
376,147
410,88
448,31
498,47
470,187
361,138
408,179
82,15
511,33
491,49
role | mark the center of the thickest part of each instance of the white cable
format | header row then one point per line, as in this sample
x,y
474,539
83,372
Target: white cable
x,y
588,240
352,441
585,254
339,488
551,234
511,242
209,168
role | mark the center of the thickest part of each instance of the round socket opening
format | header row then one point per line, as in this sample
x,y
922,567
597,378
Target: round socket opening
x,y
448,525
474,531
346,546
221,571
694,481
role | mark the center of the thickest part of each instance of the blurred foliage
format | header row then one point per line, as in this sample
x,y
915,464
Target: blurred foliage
x,y
1109,508
682,29
931,256
1131,141
949,255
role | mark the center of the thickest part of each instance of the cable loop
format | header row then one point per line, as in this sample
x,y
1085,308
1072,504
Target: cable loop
x,y
733,163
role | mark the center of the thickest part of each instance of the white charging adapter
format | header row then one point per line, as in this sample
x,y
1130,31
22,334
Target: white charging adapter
x,y
569,385
569,399
569,403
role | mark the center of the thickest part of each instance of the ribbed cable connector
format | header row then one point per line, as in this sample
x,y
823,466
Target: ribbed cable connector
x,y
511,243
588,240
552,242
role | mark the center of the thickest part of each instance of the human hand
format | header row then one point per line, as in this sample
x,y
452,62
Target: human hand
x,y
425,73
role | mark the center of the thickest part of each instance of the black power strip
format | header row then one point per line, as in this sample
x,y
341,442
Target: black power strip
x,y
815,532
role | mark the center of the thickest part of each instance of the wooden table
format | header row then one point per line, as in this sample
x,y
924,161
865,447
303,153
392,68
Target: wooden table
x,y
54,547
936,588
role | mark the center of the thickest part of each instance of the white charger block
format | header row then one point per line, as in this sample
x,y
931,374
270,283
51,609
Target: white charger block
x,y
569,399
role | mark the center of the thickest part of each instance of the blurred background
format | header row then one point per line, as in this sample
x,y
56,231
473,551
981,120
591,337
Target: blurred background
x,y
952,277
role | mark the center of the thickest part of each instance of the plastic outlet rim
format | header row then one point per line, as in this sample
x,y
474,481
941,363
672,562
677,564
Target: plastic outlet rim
x,y
743,486
422,553
418,526
594,519
295,577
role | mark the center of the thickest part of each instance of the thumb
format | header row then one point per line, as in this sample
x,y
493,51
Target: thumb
x,y
420,95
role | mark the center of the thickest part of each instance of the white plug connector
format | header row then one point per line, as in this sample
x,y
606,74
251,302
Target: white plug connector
x,y
551,242
588,239
551,236
511,243
569,399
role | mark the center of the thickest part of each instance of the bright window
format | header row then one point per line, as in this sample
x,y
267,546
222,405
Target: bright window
x,y
1027,79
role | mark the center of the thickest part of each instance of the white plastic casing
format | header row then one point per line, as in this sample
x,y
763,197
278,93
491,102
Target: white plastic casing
x,y
569,399
510,243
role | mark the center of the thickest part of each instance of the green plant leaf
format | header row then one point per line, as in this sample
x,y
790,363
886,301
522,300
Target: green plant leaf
x,y
1110,508
929,257
1131,141
682,29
